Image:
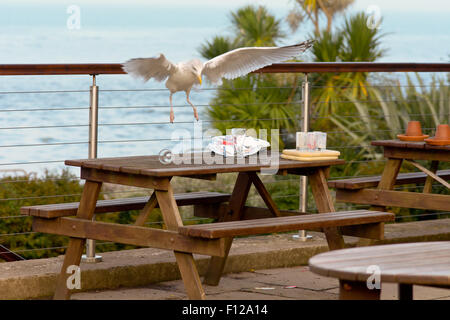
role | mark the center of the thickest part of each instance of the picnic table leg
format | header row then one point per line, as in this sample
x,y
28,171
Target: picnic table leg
x,y
357,290
233,212
405,291
85,210
427,188
388,178
429,181
185,261
324,203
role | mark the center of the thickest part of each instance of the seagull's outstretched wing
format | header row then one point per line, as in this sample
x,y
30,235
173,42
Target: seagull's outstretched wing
x,y
242,61
159,68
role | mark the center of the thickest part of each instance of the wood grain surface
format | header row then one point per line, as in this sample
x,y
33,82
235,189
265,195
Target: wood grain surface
x,y
424,263
151,166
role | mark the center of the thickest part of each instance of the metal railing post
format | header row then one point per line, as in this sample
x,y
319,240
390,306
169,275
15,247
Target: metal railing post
x,y
303,196
90,255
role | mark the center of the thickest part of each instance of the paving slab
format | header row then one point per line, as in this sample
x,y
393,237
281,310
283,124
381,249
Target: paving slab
x,y
297,283
267,284
294,293
135,293
297,276
240,295
227,284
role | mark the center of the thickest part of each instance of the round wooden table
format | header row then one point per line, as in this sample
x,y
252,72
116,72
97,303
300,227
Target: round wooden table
x,y
362,270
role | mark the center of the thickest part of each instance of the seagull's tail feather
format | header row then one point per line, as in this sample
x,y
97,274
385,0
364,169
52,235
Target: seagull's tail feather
x,y
158,68
135,68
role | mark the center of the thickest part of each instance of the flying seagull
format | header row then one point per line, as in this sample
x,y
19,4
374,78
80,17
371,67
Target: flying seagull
x,y
230,65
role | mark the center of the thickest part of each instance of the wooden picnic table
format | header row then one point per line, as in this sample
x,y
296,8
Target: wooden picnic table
x,y
397,152
425,263
208,239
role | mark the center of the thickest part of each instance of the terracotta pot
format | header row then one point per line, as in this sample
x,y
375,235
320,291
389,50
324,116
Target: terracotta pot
x,y
413,132
414,129
442,132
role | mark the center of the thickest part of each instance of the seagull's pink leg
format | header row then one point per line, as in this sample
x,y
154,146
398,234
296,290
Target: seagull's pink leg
x,y
172,115
193,107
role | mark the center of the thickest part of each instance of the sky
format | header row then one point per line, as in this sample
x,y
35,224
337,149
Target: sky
x,y
416,30
385,5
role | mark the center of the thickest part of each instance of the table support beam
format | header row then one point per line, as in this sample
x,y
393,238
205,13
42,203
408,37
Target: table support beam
x,y
145,212
324,203
134,235
85,211
265,195
388,178
233,212
427,188
402,199
185,261
429,173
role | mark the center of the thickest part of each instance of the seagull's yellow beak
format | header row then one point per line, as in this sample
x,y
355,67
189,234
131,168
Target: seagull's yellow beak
x,y
199,79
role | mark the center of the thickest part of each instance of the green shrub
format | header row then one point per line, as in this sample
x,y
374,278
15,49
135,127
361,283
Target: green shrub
x,y
26,190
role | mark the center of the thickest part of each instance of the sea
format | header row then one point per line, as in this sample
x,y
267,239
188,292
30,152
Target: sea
x,y
44,119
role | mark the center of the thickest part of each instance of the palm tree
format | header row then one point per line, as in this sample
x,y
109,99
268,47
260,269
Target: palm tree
x,y
252,27
361,44
327,48
354,42
254,101
216,47
256,27
389,109
313,9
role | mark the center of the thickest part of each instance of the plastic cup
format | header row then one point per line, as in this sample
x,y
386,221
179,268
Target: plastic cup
x,y
300,141
321,140
311,141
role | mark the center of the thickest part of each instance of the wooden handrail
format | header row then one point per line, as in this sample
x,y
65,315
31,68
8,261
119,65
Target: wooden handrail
x,y
287,67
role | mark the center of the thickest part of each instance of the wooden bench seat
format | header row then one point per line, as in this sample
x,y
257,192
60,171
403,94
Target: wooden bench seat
x,y
124,204
372,181
289,223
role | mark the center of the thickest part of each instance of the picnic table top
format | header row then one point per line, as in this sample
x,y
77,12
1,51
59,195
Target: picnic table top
x,y
194,165
426,263
409,145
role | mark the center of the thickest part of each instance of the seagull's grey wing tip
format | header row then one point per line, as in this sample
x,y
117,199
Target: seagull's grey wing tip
x,y
310,43
305,44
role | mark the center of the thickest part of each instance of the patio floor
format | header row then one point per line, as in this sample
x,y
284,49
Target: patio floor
x,y
296,283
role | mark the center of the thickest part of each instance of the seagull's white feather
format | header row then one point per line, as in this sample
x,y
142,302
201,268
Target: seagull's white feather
x,y
158,68
230,65
242,61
